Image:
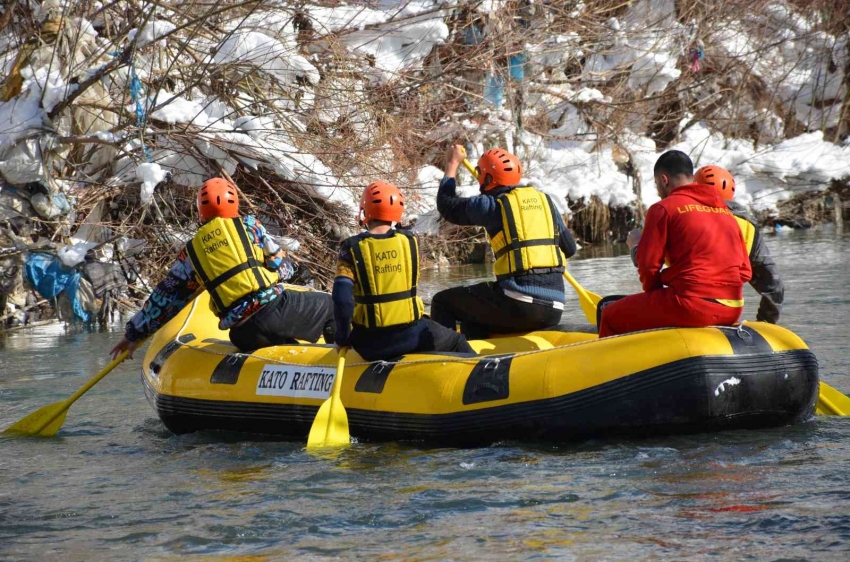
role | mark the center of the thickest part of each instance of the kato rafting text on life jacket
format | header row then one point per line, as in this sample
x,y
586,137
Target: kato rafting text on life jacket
x,y
387,267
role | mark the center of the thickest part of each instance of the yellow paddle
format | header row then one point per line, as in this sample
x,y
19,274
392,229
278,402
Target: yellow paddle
x,y
586,299
831,402
47,420
330,428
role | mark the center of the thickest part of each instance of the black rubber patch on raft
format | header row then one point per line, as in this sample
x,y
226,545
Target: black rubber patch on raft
x,y
488,380
159,360
374,378
746,341
227,370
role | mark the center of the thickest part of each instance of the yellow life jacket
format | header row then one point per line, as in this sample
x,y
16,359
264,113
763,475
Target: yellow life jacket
x,y
229,266
386,272
748,231
529,236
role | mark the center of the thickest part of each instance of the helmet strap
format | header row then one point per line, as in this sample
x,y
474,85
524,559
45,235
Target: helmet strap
x,y
485,185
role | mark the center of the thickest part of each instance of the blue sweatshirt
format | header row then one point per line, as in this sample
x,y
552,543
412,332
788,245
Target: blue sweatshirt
x,y
483,210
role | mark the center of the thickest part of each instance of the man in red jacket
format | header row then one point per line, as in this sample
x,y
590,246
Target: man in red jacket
x,y
693,231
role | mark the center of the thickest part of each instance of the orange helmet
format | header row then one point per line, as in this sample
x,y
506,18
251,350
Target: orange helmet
x,y
218,198
502,168
719,178
381,201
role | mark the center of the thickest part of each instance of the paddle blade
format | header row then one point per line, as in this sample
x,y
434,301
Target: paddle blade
x,y
586,299
588,307
831,402
44,422
330,428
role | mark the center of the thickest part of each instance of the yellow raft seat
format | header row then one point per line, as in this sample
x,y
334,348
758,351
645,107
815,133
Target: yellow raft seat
x,y
552,384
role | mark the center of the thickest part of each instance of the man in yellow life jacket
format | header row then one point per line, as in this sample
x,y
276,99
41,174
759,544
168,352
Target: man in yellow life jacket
x,y
376,283
239,264
530,242
766,279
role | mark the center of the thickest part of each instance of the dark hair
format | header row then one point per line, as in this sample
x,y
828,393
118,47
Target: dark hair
x,y
674,163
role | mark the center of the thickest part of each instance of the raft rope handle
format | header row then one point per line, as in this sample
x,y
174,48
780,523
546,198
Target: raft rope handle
x,y
383,364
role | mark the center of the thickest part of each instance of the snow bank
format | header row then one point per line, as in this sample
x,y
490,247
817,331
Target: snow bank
x,y
647,44
266,53
807,66
770,174
398,46
642,50
398,35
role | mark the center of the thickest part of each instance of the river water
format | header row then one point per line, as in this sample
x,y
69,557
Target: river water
x,y
114,484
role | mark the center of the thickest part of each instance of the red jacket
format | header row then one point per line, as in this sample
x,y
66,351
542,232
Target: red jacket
x,y
694,229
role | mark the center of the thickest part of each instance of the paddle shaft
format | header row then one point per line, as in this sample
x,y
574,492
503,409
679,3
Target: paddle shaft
x,y
340,368
68,402
471,168
583,293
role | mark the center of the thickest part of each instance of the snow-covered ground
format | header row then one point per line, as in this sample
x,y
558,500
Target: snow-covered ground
x,y
163,126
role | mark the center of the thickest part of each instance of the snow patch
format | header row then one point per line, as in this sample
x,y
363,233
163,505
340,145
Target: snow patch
x,y
150,174
255,126
151,32
398,46
50,85
182,110
266,53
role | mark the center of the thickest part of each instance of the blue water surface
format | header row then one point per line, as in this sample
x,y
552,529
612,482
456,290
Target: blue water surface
x,y
115,484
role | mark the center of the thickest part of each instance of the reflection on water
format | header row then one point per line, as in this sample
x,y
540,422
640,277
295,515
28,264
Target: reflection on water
x,y
116,485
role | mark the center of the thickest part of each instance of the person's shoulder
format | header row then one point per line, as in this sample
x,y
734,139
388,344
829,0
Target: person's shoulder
x,y
353,240
741,212
250,220
662,205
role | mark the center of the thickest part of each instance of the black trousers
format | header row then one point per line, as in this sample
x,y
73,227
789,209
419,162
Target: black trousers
x,y
388,343
294,315
483,310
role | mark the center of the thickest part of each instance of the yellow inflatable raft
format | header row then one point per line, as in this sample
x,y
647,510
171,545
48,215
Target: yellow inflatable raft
x,y
546,385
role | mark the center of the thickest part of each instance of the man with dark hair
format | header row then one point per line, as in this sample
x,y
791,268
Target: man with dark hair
x,y
695,234
674,163
766,279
